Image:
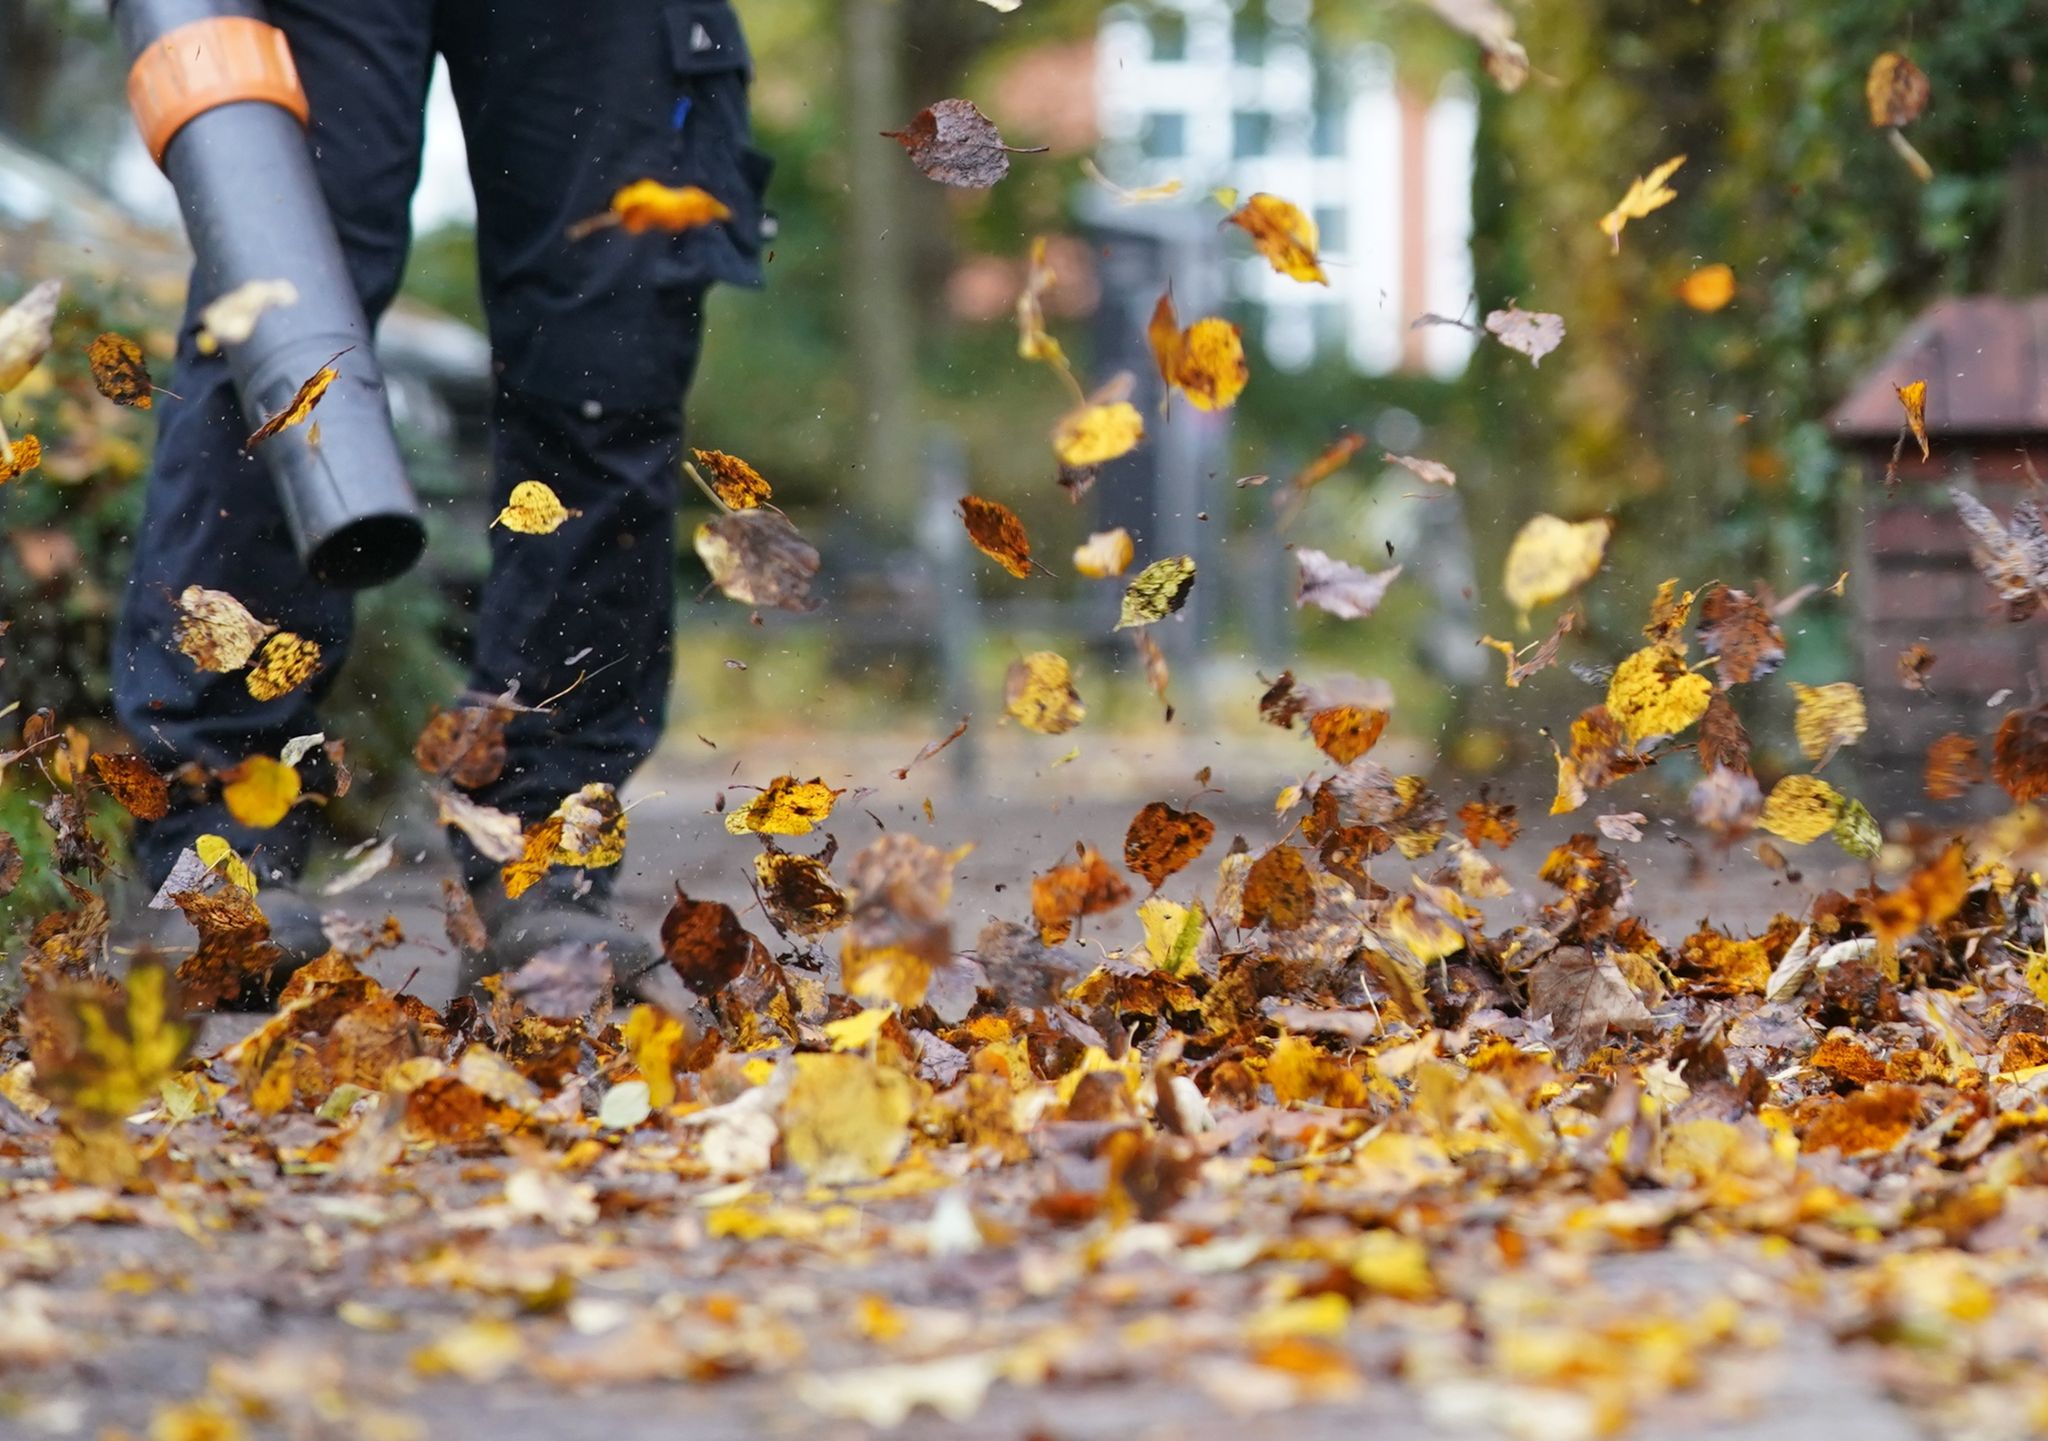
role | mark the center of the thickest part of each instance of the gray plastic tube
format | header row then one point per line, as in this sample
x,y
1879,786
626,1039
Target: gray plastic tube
x,y
254,211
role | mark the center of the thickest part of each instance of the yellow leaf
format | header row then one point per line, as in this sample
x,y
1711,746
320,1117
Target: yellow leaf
x,y
1107,553
1039,692
892,975
536,856
1913,396
118,370
1097,434
216,631
1551,558
1645,194
104,1054
654,1039
1033,343
19,457
1829,717
287,662
231,318
1284,233
1801,809
533,509
649,205
300,407
736,483
788,807
1709,288
1205,362
1172,931
217,855
593,828
1159,590
25,332
1654,694
201,1420
858,1032
259,792
846,1119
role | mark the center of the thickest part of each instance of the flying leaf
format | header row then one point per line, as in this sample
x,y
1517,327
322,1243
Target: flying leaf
x,y
1346,732
466,745
1709,288
1540,655
1534,333
1034,342
1279,891
998,534
284,662
1737,629
25,332
2019,754
1896,89
1162,840
216,631
1096,434
18,457
593,828
1173,932
735,482
1086,886
230,319
798,894
1039,692
1336,586
1829,717
1157,591
1952,766
788,807
494,833
646,205
706,944
301,405
846,1118
1913,399
119,371
1334,457
953,143
260,791
757,557
534,853
102,1055
1645,194
135,784
533,508
1140,195
1107,553
1550,558
1801,809
1653,693
2012,557
1205,362
563,980
1485,21
1435,472
1284,233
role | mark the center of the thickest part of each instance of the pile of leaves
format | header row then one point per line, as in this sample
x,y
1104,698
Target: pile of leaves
x,y
1285,1118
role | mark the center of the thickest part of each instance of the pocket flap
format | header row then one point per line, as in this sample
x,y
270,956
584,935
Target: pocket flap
x,y
705,38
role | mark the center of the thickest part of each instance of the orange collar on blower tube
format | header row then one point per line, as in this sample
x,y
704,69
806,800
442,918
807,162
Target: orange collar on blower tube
x,y
205,64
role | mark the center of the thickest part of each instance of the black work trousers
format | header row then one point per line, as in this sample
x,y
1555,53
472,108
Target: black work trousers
x,y
593,341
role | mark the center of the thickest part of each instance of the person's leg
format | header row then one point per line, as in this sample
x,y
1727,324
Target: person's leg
x,y
595,340
211,515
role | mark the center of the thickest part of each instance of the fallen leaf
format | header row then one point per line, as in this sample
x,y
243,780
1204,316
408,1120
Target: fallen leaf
x,y
1338,587
756,557
1585,997
1646,193
1039,693
886,1396
119,371
953,143
1284,233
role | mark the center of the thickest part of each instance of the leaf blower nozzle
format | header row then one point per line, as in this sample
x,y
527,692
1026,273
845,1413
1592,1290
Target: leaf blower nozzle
x,y
219,104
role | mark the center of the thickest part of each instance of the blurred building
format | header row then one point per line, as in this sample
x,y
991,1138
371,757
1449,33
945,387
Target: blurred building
x,y
1246,94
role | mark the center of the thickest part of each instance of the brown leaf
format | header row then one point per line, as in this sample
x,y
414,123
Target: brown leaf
x,y
464,927
706,944
953,143
1021,969
931,748
1346,732
1914,663
1896,89
2019,754
1724,742
736,483
1537,655
798,894
1584,998
998,534
2013,556
466,745
1736,627
119,371
301,405
1486,820
756,557
1284,701
1953,766
1162,840
1085,887
1335,456
234,945
1279,891
135,784
10,864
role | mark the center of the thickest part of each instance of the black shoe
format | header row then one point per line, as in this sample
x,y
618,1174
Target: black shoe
x,y
555,913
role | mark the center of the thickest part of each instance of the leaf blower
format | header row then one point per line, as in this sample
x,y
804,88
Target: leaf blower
x,y
218,101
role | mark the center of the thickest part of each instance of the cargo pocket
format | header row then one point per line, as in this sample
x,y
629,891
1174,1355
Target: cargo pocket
x,y
711,144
